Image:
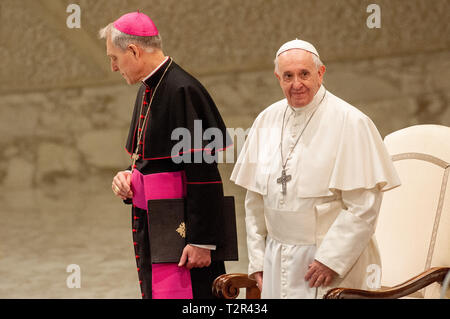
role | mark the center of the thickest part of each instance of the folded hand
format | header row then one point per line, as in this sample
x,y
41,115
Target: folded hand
x,y
195,257
319,275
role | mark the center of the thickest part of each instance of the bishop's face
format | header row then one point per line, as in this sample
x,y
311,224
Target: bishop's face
x,y
299,77
124,62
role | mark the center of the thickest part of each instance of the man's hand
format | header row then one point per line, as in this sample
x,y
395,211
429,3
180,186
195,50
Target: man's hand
x,y
121,185
259,279
319,274
195,257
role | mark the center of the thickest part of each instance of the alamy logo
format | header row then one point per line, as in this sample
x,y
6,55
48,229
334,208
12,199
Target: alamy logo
x,y
373,280
208,146
74,279
374,19
74,19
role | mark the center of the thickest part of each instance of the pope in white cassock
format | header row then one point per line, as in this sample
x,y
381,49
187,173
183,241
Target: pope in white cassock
x,y
315,169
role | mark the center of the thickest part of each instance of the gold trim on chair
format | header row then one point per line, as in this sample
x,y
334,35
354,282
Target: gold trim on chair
x,y
446,166
421,156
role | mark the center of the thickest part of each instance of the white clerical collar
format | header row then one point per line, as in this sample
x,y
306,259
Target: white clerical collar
x,y
311,105
155,70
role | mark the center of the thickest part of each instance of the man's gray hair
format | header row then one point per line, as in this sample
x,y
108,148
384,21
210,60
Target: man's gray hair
x,y
315,58
122,40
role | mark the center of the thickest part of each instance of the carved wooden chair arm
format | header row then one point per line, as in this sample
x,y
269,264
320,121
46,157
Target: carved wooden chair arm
x,y
227,286
436,274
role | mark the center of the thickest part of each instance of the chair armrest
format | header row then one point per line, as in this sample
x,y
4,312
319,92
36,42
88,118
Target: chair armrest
x,y
227,286
435,274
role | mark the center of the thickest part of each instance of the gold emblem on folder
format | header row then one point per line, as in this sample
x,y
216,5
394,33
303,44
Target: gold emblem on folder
x,y
182,230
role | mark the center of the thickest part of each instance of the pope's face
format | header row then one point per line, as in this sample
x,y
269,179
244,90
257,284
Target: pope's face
x,y
299,77
124,62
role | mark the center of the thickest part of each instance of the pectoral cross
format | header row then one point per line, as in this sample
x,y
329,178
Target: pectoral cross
x,y
283,179
134,158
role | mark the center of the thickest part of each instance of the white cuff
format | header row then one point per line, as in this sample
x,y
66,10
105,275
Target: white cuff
x,y
350,233
210,247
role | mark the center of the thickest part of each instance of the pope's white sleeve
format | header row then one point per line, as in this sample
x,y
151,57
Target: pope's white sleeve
x,y
256,231
352,230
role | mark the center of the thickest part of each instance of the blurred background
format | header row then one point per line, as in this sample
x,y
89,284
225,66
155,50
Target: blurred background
x,y
64,115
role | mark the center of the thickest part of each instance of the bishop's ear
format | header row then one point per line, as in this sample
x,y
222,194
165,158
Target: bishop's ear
x,y
134,50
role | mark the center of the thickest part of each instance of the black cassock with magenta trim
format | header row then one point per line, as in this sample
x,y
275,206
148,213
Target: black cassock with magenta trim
x,y
179,103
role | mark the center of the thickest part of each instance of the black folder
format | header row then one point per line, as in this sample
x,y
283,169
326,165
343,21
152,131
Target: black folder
x,y
167,230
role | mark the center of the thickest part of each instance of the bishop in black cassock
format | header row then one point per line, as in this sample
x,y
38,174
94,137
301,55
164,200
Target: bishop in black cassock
x,y
169,98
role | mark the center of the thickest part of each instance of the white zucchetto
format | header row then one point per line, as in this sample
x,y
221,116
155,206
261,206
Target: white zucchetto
x,y
297,44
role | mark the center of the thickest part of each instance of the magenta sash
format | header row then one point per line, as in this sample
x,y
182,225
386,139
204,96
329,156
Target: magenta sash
x,y
168,280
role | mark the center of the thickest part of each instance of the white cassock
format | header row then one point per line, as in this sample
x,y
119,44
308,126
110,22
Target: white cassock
x,y
339,169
